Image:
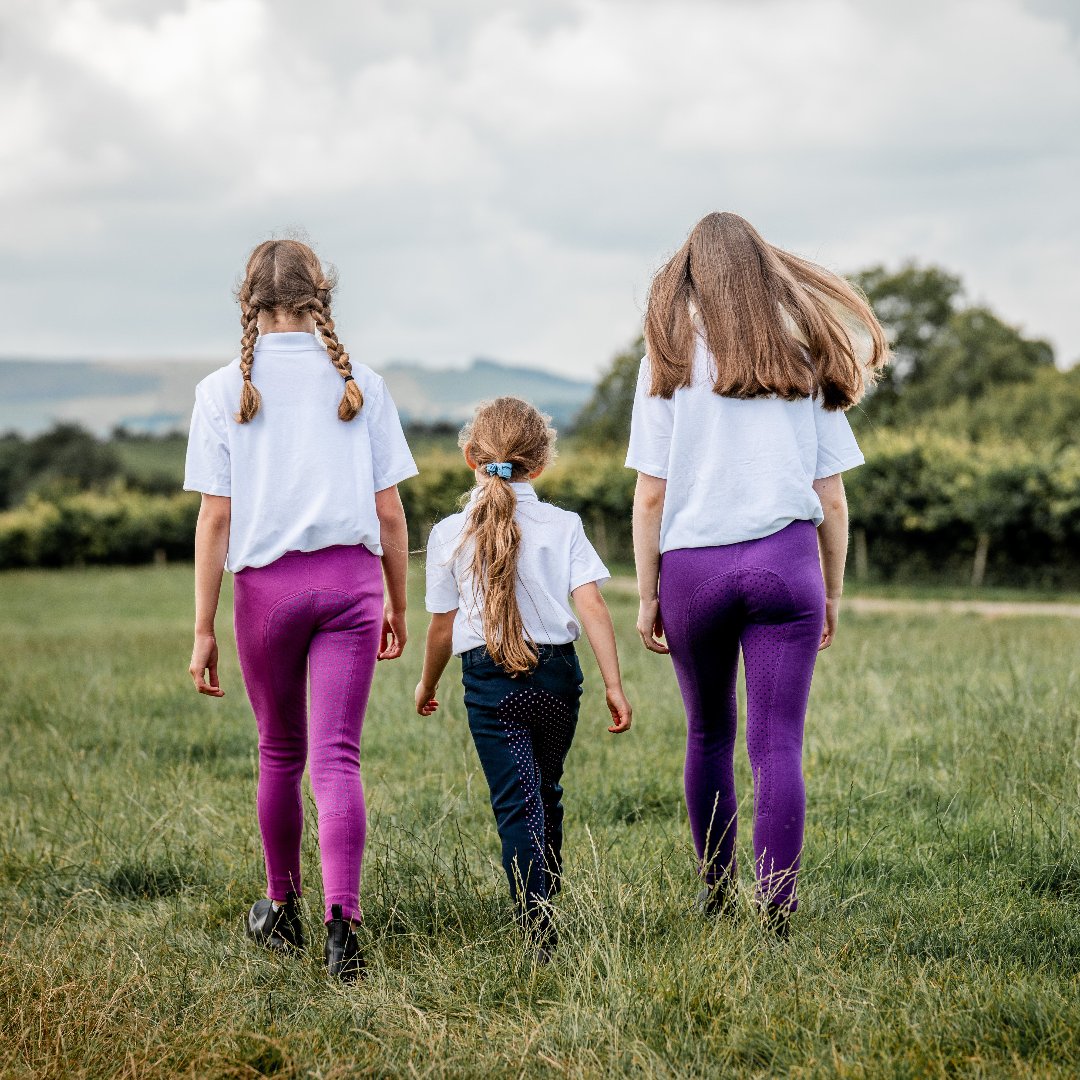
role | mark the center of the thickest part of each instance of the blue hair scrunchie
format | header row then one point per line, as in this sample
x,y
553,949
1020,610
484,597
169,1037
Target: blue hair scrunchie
x,y
499,468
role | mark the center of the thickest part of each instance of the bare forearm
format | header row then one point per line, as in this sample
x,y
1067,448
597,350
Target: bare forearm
x,y
438,648
596,620
211,548
394,537
648,511
833,538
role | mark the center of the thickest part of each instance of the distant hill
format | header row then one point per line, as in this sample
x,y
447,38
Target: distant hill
x,y
155,397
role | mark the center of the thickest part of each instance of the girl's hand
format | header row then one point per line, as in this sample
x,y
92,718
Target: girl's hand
x,y
204,657
832,617
394,634
620,710
650,627
425,699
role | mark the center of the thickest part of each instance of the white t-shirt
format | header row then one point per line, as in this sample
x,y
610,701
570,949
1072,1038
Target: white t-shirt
x,y
555,559
736,468
300,479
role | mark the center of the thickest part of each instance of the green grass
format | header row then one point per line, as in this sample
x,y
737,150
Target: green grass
x,y
939,933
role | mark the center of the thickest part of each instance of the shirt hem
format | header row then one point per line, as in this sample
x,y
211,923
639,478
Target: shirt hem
x,y
591,579
649,470
841,466
408,474
208,489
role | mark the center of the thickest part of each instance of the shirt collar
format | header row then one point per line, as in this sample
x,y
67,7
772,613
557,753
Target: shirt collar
x,y
522,489
291,341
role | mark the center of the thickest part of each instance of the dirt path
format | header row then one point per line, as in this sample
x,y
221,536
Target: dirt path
x,y
872,605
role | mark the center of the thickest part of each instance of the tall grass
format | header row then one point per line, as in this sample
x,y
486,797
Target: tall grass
x,y
939,932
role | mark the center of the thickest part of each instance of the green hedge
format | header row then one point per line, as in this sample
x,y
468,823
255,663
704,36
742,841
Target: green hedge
x,y
93,527
924,506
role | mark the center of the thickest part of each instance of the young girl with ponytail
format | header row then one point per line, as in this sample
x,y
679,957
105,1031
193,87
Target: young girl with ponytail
x,y
739,438
297,454
499,575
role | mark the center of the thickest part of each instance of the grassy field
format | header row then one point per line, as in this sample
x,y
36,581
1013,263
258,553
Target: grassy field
x,y
939,933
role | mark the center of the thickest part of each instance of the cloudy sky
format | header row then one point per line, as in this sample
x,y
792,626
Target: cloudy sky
x,y
501,179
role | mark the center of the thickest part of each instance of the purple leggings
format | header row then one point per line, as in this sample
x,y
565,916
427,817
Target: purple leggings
x,y
766,596
317,614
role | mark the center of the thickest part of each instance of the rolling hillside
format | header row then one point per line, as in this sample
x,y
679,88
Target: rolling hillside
x,y
155,397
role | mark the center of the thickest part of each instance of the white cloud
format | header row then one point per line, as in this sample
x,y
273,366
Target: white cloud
x,y
502,179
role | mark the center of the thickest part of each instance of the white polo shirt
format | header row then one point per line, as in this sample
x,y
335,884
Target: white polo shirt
x,y
555,559
299,478
736,468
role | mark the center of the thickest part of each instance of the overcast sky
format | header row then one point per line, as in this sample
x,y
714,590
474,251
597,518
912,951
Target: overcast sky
x,y
501,179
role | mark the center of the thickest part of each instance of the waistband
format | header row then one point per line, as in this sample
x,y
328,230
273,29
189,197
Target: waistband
x,y
472,657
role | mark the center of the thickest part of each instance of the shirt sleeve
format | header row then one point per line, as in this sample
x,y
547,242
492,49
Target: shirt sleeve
x,y
391,459
837,449
585,564
650,428
442,590
208,466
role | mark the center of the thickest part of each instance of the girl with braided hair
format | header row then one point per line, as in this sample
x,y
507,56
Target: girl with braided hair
x,y
298,454
499,579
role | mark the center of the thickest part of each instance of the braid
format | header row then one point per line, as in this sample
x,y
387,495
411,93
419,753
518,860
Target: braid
x,y
352,400
250,398
284,278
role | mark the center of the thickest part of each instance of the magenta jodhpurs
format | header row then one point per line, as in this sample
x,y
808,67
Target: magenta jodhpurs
x,y
311,616
766,598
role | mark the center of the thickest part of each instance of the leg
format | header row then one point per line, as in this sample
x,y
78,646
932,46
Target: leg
x,y
342,664
780,647
271,640
504,745
553,721
702,623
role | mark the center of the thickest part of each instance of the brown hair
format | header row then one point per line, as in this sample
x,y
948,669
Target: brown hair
x,y
286,276
506,430
775,323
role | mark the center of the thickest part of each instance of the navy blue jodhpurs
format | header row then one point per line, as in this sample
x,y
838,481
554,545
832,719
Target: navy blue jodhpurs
x,y
523,728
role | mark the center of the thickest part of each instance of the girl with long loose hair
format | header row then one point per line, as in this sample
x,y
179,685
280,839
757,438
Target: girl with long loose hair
x,y
739,438
298,453
500,577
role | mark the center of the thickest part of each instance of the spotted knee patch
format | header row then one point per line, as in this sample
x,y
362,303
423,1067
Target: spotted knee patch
x,y
521,713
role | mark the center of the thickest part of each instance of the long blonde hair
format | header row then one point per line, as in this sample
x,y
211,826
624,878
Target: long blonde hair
x,y
286,276
775,323
504,431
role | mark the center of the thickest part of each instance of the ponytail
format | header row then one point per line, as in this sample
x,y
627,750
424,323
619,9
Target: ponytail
x,y
509,440
496,540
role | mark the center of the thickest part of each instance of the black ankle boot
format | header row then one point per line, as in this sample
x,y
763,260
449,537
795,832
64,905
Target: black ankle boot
x,y
278,929
778,920
716,900
343,958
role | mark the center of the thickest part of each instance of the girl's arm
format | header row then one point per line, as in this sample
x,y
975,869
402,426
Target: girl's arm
x,y
394,537
211,547
832,543
596,619
437,652
648,510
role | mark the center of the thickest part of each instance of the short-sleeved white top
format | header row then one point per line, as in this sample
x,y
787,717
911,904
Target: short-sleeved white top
x,y
300,479
555,559
736,469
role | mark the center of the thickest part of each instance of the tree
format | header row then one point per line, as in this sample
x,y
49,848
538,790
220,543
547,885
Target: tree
x,y
943,352
974,354
605,420
914,305
66,457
